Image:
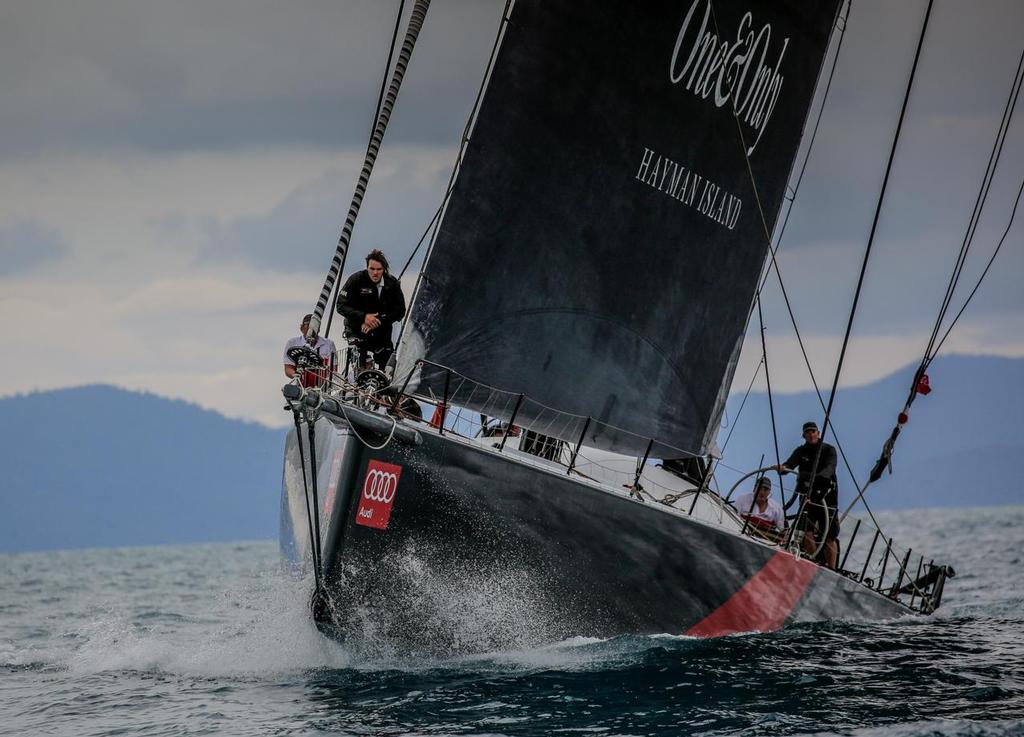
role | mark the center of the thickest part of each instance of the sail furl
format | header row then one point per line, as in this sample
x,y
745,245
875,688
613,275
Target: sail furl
x,y
603,240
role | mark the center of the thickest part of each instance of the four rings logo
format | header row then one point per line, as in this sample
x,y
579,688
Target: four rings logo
x,y
379,488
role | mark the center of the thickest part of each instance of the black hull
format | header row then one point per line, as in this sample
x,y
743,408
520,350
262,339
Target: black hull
x,y
482,542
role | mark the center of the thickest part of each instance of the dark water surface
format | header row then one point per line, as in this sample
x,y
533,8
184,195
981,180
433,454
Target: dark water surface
x,y
212,639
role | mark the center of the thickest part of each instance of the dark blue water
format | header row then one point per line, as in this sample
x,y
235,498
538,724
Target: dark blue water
x,y
214,640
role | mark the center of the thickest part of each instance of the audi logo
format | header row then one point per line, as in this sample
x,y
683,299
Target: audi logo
x,y
380,486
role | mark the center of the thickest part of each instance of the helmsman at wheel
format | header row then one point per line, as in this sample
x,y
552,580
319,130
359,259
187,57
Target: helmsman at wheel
x,y
819,497
371,301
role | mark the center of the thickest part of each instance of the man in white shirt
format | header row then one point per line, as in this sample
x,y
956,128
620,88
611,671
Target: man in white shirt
x,y
324,348
759,507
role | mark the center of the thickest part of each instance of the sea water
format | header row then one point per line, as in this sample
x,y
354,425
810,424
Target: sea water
x,y
216,639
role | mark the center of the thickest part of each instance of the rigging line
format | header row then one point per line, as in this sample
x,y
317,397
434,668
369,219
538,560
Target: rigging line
x,y
313,550
419,12
426,231
376,115
810,372
814,135
1013,213
736,419
931,350
1008,109
867,252
310,428
984,273
466,129
771,401
435,221
774,265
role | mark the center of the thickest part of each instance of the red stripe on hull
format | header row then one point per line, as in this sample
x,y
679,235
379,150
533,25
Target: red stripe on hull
x,y
764,602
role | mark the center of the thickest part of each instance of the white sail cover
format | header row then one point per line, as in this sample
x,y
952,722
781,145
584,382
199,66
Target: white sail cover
x,y
603,241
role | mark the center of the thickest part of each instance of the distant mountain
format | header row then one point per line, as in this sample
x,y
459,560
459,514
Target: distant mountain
x,y
962,446
100,466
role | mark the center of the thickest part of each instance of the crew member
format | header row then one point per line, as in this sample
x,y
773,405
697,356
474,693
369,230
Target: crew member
x,y
323,348
371,301
819,497
763,512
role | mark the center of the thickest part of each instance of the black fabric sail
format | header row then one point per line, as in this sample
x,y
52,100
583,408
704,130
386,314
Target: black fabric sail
x,y
603,241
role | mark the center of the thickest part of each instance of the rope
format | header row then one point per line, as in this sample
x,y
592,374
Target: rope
x,y
932,349
310,427
1004,128
984,273
773,264
771,401
979,203
376,115
736,419
867,253
419,12
361,439
814,134
309,512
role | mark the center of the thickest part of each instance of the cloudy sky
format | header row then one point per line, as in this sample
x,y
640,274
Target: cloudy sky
x,y
173,178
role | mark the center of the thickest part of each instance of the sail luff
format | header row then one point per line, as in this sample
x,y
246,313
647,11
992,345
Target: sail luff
x,y
406,358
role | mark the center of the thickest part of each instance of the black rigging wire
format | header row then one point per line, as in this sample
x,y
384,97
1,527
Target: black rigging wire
x,y
435,221
841,24
993,162
736,419
465,137
867,256
771,401
311,510
984,273
934,343
773,264
376,116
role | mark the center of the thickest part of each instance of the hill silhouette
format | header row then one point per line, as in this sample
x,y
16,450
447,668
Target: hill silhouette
x,y
960,448
98,466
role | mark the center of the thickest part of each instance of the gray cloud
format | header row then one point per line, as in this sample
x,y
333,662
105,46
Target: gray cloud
x,y
964,76
100,74
26,245
299,234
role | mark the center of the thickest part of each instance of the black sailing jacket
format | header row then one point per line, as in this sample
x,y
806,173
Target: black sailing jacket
x,y
358,298
802,460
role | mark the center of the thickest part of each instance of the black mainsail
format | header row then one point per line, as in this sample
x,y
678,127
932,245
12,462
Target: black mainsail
x,y
603,240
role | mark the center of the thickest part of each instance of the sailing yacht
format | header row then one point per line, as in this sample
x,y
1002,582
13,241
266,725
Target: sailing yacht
x,y
573,337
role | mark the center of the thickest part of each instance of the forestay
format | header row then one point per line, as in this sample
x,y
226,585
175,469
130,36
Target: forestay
x,y
603,240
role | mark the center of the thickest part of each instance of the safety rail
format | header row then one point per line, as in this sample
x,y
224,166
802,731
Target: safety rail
x,y
890,569
888,573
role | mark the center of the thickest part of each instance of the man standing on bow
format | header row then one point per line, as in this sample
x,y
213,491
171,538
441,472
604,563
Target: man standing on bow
x,y
371,301
819,497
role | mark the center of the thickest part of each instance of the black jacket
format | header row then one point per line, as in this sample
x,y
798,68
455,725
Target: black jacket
x,y
359,297
802,460
826,485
